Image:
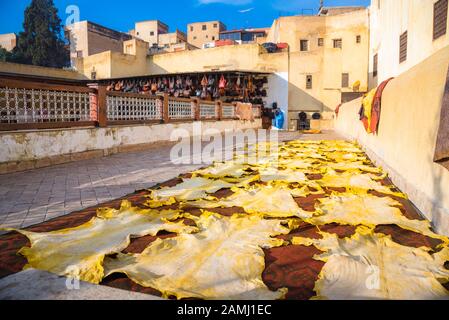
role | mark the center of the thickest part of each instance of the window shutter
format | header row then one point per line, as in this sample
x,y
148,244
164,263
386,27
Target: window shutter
x,y
403,47
440,18
375,65
304,45
309,82
338,43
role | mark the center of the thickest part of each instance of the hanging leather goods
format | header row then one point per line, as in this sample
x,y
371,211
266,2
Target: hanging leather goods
x,y
204,81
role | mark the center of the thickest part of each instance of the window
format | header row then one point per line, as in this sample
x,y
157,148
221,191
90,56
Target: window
x,y
213,38
304,45
375,64
403,47
152,33
194,38
320,42
191,28
79,54
338,43
439,18
378,4
207,36
345,80
204,27
137,32
215,25
308,82
358,39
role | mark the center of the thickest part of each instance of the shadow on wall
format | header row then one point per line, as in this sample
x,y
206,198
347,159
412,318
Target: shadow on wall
x,y
373,82
301,100
438,188
437,183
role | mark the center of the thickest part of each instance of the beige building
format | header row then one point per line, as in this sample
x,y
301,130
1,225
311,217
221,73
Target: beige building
x,y
8,41
200,33
326,63
150,31
403,33
168,39
87,38
174,42
327,59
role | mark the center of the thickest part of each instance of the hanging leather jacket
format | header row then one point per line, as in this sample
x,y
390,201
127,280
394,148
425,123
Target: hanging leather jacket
x,y
250,85
118,86
154,87
204,81
216,93
222,83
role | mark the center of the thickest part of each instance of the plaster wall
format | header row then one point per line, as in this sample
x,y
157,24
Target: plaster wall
x,y
405,144
33,145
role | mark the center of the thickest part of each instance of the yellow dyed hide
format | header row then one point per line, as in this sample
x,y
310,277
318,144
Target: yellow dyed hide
x,y
224,260
275,202
225,169
372,266
288,175
190,189
352,180
368,210
79,252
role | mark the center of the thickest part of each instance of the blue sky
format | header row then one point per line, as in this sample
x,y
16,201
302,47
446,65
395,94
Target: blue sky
x,y
121,14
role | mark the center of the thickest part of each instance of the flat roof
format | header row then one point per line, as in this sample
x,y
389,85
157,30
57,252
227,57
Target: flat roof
x,y
155,20
211,21
339,10
247,30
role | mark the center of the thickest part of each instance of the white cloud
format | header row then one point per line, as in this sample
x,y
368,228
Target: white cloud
x,y
246,10
230,2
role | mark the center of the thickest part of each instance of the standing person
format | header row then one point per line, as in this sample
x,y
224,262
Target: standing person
x,y
279,117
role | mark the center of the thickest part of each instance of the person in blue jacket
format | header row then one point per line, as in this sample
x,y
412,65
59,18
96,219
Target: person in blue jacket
x,y
279,117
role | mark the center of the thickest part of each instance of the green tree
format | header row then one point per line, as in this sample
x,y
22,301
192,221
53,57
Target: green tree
x,y
4,55
41,42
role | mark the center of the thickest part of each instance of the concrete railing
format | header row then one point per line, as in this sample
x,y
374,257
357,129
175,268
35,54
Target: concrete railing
x,y
32,105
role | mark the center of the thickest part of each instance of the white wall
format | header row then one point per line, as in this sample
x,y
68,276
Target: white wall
x,y
405,144
278,92
387,24
33,145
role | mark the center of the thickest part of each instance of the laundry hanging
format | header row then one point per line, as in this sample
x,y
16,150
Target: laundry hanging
x,y
371,108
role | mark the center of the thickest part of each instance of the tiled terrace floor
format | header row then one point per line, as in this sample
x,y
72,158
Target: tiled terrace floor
x,y
32,197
